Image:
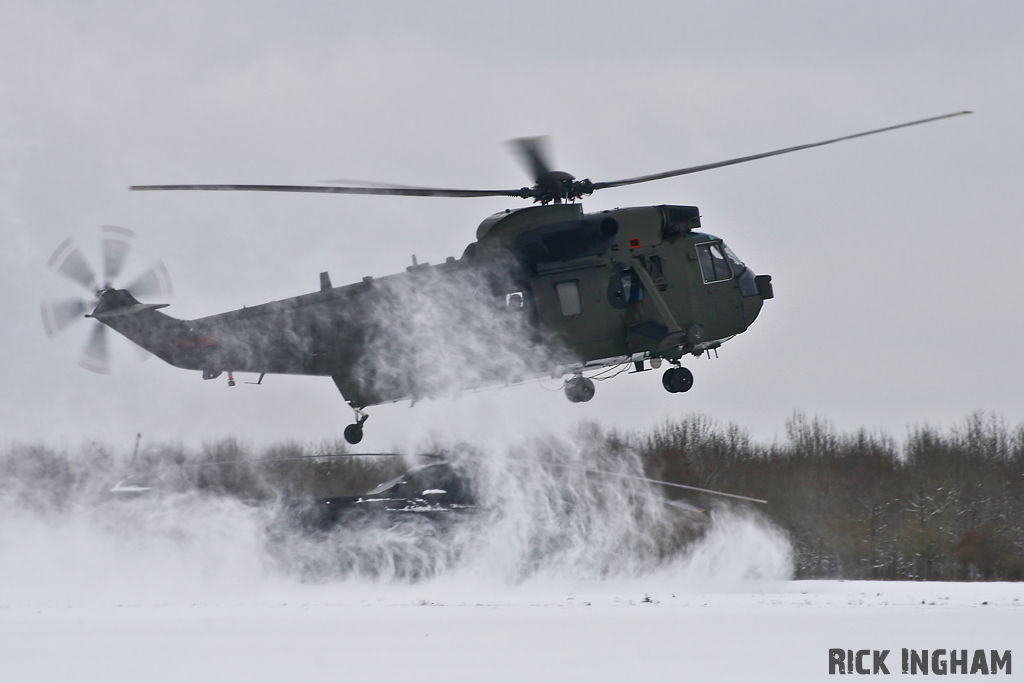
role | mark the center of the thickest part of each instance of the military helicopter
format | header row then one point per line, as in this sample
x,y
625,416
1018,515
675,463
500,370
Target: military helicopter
x,y
544,291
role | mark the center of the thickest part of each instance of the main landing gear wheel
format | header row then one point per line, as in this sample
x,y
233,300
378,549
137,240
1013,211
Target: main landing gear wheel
x,y
677,380
354,432
579,389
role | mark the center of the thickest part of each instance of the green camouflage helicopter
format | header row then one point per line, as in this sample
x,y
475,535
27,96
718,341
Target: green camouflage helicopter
x,y
544,291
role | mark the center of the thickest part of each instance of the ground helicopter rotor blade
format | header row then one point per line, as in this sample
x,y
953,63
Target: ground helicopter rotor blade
x,y
59,314
155,282
635,477
762,155
316,456
116,244
73,265
392,190
96,355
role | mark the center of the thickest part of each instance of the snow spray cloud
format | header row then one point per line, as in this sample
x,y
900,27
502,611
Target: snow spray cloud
x,y
431,333
64,539
574,507
546,508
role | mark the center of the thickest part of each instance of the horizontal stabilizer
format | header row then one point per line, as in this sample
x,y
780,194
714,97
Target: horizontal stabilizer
x,y
125,310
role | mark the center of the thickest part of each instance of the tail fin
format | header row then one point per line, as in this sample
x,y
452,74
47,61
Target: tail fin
x,y
139,322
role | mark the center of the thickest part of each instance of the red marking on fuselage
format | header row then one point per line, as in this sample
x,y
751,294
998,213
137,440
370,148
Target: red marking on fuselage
x,y
194,342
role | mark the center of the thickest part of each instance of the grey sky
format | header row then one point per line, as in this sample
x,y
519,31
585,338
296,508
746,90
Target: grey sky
x,y
895,259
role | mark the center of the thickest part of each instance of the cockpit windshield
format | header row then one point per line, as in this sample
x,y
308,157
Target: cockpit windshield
x,y
744,276
734,260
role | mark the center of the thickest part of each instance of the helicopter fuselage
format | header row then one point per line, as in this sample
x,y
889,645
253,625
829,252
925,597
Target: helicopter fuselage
x,y
543,291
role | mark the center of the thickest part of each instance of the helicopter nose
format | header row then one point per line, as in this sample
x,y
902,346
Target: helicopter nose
x,y
764,286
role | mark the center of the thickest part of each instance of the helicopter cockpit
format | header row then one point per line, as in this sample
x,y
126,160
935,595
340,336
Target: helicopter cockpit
x,y
719,263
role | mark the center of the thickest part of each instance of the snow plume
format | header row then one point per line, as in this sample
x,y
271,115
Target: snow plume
x,y
64,539
548,508
431,333
573,507
581,508
739,545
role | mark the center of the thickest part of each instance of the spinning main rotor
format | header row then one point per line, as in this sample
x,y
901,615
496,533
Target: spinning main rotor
x,y
549,185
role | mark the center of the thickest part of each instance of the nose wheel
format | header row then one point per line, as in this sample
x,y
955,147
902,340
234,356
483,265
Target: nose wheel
x,y
579,389
677,380
354,432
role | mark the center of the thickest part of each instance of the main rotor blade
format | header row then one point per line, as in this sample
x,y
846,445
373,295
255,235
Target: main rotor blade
x,y
116,244
153,283
394,191
96,355
73,265
59,314
350,182
536,153
752,157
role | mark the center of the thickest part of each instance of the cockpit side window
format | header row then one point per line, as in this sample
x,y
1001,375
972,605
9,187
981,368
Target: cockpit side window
x,y
713,264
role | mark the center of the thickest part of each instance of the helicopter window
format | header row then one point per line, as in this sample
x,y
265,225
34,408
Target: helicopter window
x,y
656,270
514,300
734,260
569,298
632,288
748,286
713,264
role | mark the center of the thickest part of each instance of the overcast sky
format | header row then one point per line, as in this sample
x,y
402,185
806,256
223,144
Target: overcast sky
x,y
896,259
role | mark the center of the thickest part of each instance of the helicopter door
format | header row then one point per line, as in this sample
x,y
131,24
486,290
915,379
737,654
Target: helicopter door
x,y
723,308
570,302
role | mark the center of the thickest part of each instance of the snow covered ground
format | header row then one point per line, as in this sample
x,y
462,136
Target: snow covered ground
x,y
638,629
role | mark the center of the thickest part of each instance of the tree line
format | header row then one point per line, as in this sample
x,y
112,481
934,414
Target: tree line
x,y
941,505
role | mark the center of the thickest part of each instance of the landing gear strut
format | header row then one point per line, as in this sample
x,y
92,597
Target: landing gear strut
x,y
677,380
354,432
579,389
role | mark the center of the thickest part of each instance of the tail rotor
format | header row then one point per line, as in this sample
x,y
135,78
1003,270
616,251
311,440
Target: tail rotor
x,y
70,261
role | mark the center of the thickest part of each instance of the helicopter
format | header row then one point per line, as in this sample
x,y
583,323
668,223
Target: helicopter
x,y
544,291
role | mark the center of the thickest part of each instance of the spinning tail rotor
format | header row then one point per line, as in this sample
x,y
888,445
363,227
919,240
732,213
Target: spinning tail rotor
x,y
69,260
